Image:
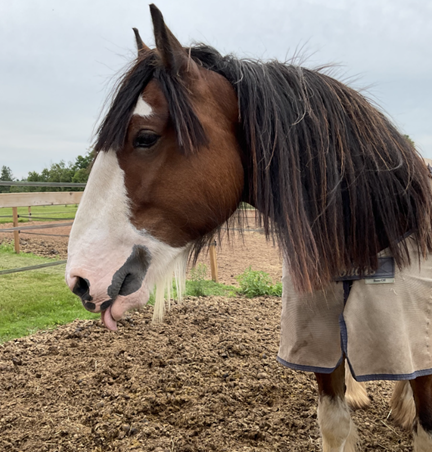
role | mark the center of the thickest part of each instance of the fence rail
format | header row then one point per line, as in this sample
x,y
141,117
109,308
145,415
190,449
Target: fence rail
x,y
32,267
16,200
41,226
48,198
40,184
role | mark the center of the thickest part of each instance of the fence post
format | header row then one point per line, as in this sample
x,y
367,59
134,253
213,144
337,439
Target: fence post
x,y
29,213
213,262
16,233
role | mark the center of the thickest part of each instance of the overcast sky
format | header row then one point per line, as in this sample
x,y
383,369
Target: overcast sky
x,y
59,58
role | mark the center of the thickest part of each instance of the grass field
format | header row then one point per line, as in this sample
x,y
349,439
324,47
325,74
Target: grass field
x,y
39,213
34,300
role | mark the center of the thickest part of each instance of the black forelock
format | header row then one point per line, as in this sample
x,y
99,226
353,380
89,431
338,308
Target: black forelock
x,y
111,134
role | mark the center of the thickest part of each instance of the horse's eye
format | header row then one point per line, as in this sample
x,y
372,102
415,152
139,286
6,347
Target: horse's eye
x,y
145,139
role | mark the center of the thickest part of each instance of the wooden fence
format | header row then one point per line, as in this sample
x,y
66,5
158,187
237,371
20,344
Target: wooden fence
x,y
16,200
48,198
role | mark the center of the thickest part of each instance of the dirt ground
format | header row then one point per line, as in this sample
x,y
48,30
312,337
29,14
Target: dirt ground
x,y
206,379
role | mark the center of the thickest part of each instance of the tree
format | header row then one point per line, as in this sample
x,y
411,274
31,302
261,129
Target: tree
x,y
81,176
81,169
83,162
59,172
6,175
34,176
77,172
407,137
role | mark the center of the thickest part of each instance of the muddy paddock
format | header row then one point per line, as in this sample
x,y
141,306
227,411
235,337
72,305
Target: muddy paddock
x,y
206,379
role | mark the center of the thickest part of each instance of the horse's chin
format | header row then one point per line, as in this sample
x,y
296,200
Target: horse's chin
x,y
121,305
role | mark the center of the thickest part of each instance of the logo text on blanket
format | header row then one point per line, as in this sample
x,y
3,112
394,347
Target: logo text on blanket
x,y
385,273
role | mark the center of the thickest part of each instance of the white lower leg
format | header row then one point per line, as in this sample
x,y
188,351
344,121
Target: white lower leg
x,y
402,405
338,431
422,439
355,394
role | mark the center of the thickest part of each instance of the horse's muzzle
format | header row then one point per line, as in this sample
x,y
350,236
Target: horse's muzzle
x,y
125,281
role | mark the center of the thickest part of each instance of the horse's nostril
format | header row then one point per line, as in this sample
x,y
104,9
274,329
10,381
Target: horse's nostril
x,y
82,289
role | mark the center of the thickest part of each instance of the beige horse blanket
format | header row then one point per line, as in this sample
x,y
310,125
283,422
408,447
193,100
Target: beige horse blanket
x,y
384,330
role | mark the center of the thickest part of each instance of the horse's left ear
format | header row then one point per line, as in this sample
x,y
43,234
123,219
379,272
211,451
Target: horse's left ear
x,y
139,42
174,56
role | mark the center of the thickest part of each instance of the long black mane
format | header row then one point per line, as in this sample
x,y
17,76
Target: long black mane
x,y
332,178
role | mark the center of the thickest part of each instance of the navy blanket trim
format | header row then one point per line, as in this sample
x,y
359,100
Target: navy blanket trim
x,y
319,370
346,289
361,378
344,334
394,377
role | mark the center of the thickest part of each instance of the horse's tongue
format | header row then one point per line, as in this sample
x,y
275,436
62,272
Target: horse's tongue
x,y
108,320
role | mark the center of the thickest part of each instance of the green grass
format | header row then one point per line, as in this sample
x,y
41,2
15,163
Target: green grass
x,y
197,285
34,300
210,288
58,212
205,288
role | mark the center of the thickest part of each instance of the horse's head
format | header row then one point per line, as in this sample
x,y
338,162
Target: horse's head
x,y
168,172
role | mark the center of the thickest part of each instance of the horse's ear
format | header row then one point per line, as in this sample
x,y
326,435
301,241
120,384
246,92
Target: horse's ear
x,y
139,42
174,56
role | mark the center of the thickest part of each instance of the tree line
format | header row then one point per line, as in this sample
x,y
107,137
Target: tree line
x,y
76,172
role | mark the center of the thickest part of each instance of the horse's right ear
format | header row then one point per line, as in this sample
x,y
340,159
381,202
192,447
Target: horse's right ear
x,y
174,56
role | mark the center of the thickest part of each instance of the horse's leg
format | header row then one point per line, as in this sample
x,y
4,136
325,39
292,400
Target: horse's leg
x,y
355,395
422,389
403,410
338,431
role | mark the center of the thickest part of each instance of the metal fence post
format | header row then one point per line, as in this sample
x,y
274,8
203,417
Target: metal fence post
x,y
16,233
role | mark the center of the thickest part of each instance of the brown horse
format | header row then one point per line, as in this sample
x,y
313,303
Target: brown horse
x,y
190,134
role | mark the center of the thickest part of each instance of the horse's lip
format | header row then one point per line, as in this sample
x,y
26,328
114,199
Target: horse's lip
x,y
108,320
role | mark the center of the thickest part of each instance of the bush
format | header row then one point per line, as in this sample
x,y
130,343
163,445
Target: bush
x,y
257,283
196,286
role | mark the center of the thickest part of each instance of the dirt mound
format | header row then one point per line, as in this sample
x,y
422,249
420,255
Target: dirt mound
x,y
204,380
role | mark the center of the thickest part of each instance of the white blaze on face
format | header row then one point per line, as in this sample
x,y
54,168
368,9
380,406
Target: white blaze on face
x,y
142,108
102,239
